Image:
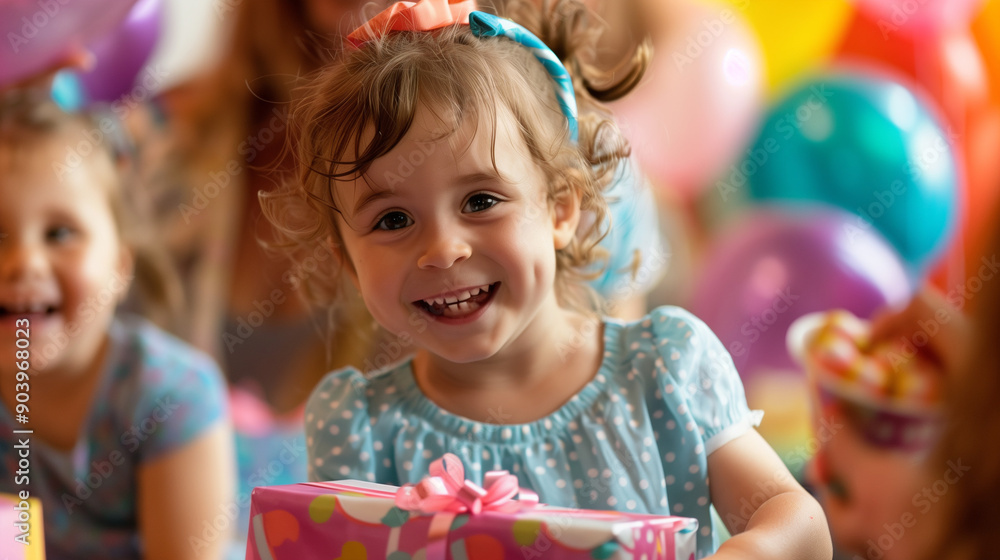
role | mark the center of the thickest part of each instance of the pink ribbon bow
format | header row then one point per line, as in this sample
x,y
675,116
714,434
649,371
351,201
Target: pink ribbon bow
x,y
446,490
423,15
446,493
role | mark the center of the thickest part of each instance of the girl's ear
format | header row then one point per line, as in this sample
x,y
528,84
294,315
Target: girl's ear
x,y
565,216
343,259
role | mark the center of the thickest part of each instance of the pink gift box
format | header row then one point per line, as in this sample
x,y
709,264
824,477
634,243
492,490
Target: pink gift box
x,y
359,520
22,532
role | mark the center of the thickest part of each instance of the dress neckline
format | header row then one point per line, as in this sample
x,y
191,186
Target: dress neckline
x,y
461,427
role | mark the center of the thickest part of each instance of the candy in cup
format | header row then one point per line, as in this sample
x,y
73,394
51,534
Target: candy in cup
x,y
888,392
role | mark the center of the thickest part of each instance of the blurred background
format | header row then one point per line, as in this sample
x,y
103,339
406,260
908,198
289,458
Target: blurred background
x,y
824,155
819,155
806,156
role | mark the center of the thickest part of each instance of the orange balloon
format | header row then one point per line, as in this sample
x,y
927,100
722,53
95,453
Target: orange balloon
x,y
948,67
984,144
986,30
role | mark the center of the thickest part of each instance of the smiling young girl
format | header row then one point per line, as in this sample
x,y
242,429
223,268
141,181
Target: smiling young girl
x,y
447,160
129,443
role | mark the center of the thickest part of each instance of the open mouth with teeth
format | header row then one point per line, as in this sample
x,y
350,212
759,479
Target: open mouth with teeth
x,y
459,304
22,310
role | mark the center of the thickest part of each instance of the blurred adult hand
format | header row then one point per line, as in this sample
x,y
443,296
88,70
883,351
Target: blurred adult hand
x,y
933,326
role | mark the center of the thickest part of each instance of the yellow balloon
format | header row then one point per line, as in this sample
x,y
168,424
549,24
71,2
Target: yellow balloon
x,y
796,37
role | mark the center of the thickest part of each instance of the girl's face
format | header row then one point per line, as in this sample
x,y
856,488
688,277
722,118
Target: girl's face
x,y
62,265
445,252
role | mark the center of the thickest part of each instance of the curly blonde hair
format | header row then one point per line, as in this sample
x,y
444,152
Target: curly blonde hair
x,y
360,107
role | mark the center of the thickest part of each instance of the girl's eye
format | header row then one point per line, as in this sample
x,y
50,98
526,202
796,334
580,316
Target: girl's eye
x,y
393,221
59,234
480,202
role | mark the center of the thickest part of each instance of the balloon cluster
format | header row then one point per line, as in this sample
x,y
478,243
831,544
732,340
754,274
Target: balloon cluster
x,y
846,133
847,147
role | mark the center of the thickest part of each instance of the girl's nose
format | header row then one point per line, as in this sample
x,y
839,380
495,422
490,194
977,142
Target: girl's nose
x,y
20,261
444,249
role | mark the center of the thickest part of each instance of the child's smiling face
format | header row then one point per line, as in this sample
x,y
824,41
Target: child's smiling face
x,y
62,264
447,251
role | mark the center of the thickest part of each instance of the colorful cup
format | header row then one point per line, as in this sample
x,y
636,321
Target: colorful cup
x,y
895,405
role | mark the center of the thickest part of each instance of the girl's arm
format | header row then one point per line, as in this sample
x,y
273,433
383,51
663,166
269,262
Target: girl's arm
x,y
769,514
183,490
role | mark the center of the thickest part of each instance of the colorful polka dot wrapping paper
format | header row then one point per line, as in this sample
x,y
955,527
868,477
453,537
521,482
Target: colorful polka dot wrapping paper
x,y
360,521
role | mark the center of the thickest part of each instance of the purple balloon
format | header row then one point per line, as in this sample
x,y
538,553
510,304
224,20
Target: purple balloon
x,y
122,53
38,35
775,266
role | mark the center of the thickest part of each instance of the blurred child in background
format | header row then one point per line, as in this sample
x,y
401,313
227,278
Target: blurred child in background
x,y
131,446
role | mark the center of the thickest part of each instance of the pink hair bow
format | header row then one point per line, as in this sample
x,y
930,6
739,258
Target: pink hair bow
x,y
446,490
423,15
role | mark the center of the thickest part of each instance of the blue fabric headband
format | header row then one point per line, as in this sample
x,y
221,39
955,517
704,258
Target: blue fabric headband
x,y
483,24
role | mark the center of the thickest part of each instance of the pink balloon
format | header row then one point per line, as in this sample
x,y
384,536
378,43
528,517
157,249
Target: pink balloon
x,y
699,104
920,17
38,34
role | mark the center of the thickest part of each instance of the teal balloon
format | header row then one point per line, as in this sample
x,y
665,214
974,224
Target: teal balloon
x,y
67,92
868,145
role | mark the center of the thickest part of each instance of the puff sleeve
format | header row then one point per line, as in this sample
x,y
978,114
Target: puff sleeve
x,y
338,429
698,380
174,396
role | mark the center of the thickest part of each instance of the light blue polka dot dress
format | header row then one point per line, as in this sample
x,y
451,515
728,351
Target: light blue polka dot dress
x,y
636,438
